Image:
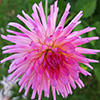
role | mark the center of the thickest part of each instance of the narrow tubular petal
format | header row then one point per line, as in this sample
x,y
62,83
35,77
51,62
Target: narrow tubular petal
x,y
77,17
17,50
48,31
17,76
22,79
21,69
45,84
86,51
61,88
74,74
24,30
40,90
52,16
79,85
84,72
62,21
68,87
55,12
42,15
77,33
29,18
81,59
17,33
8,47
92,60
93,38
63,79
53,92
13,63
17,39
30,69
59,41
30,26
34,91
67,40
67,30
28,86
48,41
23,85
57,33
14,56
88,65
80,41
71,81
72,24
36,13
36,18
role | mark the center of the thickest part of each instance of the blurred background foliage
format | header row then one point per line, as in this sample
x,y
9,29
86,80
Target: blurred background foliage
x,y
91,17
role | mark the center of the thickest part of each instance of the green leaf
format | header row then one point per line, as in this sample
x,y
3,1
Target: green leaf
x,y
62,4
91,34
97,25
87,6
97,71
79,27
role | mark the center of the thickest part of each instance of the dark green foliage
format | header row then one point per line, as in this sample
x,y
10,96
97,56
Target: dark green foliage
x,y
91,10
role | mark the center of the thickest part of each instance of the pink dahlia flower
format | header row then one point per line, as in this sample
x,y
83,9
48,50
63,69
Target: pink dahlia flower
x,y
48,55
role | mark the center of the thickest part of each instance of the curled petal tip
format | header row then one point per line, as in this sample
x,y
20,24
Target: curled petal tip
x,y
18,15
8,71
81,12
2,36
68,4
94,28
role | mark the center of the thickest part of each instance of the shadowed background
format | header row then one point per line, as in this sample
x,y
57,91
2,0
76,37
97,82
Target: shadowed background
x,y
91,17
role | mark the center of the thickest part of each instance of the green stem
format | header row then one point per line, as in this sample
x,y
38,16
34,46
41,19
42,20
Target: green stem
x,y
46,8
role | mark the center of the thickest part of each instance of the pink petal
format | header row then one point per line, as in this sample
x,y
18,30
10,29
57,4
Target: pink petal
x,y
29,18
17,33
77,33
62,21
30,26
80,58
59,41
55,12
63,79
80,41
53,92
30,69
34,92
68,47
42,15
48,41
92,60
28,33
52,17
71,81
86,51
84,72
14,56
17,39
28,86
74,74
57,33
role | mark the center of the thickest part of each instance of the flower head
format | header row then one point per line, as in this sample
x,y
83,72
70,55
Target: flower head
x,y
47,54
